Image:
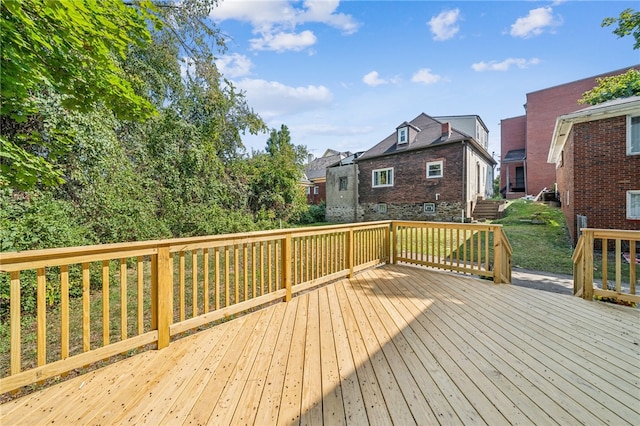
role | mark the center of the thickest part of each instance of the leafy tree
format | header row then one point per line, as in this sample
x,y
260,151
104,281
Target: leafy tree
x,y
72,48
613,87
275,186
628,24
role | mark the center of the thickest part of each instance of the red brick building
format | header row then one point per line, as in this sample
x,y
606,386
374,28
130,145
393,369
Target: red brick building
x,y
595,152
425,170
525,140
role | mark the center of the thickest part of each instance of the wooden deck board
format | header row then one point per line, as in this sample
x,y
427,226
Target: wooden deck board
x,y
395,344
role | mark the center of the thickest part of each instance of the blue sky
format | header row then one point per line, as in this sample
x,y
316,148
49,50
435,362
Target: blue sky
x,y
345,74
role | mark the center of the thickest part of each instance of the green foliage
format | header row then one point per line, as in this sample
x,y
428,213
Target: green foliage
x,y
314,213
31,221
276,175
68,48
617,86
628,24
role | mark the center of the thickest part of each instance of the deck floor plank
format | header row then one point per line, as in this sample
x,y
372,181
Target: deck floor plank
x,y
583,400
563,352
393,345
333,411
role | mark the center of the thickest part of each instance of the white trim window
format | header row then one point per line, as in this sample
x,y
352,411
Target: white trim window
x,y
316,190
382,177
633,205
403,136
633,135
435,169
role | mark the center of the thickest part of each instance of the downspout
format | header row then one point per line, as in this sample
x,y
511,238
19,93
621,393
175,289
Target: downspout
x,y
356,199
464,177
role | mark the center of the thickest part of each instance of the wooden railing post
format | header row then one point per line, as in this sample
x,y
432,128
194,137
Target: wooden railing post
x,y
497,255
163,295
587,289
350,252
393,242
286,266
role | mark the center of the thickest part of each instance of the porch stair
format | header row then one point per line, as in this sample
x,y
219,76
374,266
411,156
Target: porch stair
x,y
489,209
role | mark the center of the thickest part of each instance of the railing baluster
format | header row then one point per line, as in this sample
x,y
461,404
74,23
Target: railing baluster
x,y
139,294
105,303
42,315
205,279
123,299
14,312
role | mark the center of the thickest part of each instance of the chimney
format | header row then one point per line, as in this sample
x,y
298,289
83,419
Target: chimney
x,y
446,130
309,157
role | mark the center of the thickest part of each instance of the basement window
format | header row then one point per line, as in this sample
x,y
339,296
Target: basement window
x,y
381,208
430,208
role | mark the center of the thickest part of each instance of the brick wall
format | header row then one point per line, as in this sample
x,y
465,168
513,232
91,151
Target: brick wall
x,y
512,136
320,196
603,173
543,107
564,175
411,187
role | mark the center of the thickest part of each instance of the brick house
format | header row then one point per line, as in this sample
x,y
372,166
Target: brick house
x,y
425,170
525,139
596,153
315,173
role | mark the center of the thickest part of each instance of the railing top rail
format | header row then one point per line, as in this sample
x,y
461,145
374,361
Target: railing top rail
x,y
10,261
454,225
613,233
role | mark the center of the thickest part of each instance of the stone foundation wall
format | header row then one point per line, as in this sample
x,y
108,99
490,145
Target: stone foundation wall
x,y
445,212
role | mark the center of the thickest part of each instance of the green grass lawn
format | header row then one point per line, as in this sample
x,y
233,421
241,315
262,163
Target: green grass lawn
x,y
539,237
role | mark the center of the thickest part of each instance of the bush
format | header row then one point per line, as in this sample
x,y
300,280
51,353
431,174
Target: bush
x,y
312,214
30,221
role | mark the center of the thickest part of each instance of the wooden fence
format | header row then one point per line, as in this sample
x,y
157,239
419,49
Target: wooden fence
x,y
114,298
467,248
610,254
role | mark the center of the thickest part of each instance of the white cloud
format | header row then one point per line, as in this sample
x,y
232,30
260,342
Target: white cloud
x,y
273,99
275,21
504,65
534,23
235,65
281,42
444,26
425,76
373,79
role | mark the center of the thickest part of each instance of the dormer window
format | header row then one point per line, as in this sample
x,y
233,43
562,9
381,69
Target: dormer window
x,y
403,136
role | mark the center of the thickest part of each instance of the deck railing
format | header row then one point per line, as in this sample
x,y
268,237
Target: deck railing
x,y
477,249
611,255
115,298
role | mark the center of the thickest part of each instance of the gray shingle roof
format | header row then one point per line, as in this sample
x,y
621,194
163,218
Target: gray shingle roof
x,y
318,167
430,134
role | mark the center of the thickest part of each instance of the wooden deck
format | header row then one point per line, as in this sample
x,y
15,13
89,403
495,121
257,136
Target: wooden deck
x,y
396,344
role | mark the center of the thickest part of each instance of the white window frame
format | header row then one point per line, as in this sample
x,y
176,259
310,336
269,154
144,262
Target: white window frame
x,y
441,164
403,132
316,190
629,131
388,170
308,190
631,194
